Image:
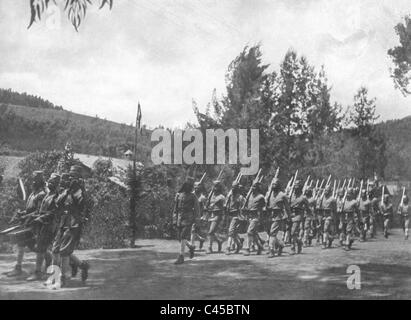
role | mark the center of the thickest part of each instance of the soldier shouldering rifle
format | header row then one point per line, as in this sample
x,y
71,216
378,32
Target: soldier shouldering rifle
x,y
51,226
325,209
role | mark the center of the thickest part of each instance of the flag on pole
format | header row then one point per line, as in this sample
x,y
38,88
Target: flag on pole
x,y
138,119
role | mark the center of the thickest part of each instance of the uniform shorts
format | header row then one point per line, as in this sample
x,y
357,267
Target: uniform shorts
x,y
234,227
253,226
276,226
328,225
295,228
213,226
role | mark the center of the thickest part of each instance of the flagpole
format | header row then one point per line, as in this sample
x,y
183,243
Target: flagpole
x,y
133,185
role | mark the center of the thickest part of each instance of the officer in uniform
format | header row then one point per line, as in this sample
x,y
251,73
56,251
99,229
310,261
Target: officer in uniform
x,y
387,213
254,209
278,207
299,205
26,218
233,208
364,214
404,210
44,225
309,221
196,228
186,210
350,211
215,209
328,209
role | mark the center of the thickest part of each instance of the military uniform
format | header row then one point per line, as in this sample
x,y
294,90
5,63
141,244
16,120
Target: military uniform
x,y
310,221
45,228
253,210
364,208
350,212
278,208
328,209
387,213
198,226
69,229
405,211
340,223
185,215
32,208
25,237
298,205
215,210
234,206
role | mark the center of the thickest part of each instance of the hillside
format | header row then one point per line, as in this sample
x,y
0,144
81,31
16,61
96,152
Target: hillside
x,y
32,128
398,133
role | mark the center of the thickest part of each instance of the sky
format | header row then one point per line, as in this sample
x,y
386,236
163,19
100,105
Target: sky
x,y
165,53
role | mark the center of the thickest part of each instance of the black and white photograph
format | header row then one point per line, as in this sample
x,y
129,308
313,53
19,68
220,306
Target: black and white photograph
x,y
205,150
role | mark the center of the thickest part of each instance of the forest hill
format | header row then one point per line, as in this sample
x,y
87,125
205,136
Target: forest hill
x,y
189,146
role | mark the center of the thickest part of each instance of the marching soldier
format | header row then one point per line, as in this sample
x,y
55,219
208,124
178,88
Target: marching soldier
x,y
350,211
196,228
309,221
404,210
235,203
364,214
278,207
215,210
26,218
72,206
328,209
44,225
340,216
299,205
387,213
374,211
254,209
186,210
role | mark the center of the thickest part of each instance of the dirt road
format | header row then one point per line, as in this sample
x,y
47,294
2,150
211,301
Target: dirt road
x,y
148,272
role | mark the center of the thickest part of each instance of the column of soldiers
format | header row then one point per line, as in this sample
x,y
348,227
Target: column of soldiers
x,y
51,226
295,215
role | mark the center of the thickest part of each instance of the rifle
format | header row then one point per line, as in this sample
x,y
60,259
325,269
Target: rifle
x,y
382,194
270,190
256,179
202,178
359,194
402,200
212,189
334,188
306,184
293,186
343,186
230,194
317,193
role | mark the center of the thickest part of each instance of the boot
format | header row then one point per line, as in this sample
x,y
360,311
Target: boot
x,y
84,270
209,250
280,250
180,259
246,252
201,244
259,250
36,276
17,271
330,242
